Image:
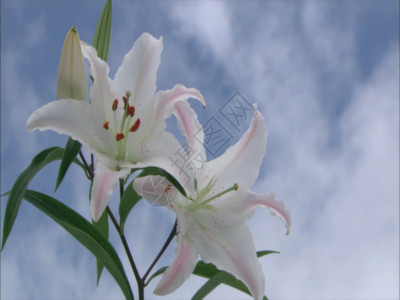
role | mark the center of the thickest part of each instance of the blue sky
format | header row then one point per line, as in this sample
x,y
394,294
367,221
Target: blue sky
x,y
324,74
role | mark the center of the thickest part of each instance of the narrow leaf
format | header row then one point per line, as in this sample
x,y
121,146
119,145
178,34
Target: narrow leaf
x,y
128,201
209,286
85,233
102,226
72,149
102,36
216,277
155,274
21,184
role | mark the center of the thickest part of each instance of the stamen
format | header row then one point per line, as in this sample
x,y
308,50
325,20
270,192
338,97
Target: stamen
x,y
115,105
131,111
235,187
106,125
119,136
125,101
135,126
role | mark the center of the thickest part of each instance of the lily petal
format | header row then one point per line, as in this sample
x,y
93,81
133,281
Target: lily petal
x,y
275,205
159,151
101,93
104,183
138,71
193,131
222,239
241,162
78,120
165,105
180,269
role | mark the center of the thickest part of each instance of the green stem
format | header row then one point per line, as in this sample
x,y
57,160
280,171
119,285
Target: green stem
x,y
89,169
166,244
128,253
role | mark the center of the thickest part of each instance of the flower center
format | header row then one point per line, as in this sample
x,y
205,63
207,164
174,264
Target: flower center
x,y
127,124
199,202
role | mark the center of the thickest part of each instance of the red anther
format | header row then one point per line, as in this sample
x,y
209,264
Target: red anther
x,y
106,125
115,105
131,111
135,126
125,99
167,188
119,136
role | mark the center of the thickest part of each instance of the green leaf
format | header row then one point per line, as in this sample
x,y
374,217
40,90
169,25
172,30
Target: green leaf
x,y
102,226
157,171
266,252
72,149
85,233
156,273
21,184
216,277
128,201
102,36
209,286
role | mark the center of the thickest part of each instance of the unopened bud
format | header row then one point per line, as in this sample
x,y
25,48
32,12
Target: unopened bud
x,y
71,81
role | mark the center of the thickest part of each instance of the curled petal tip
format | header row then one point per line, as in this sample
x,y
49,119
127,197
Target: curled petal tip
x,y
275,205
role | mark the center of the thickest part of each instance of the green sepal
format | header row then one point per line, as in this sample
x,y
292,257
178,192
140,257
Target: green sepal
x,y
21,184
128,201
85,233
102,36
72,149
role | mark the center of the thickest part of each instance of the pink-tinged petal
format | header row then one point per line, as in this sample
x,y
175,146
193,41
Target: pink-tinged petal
x,y
104,183
224,240
101,92
193,131
180,269
275,205
166,99
241,162
138,74
157,190
165,105
78,120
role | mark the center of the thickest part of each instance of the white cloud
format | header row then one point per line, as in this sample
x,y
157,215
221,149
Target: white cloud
x,y
343,194
209,21
345,241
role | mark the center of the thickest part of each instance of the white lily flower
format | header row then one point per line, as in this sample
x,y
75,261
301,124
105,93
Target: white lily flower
x,y
123,124
211,219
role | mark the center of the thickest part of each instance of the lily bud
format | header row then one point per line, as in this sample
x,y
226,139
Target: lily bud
x,y
71,81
